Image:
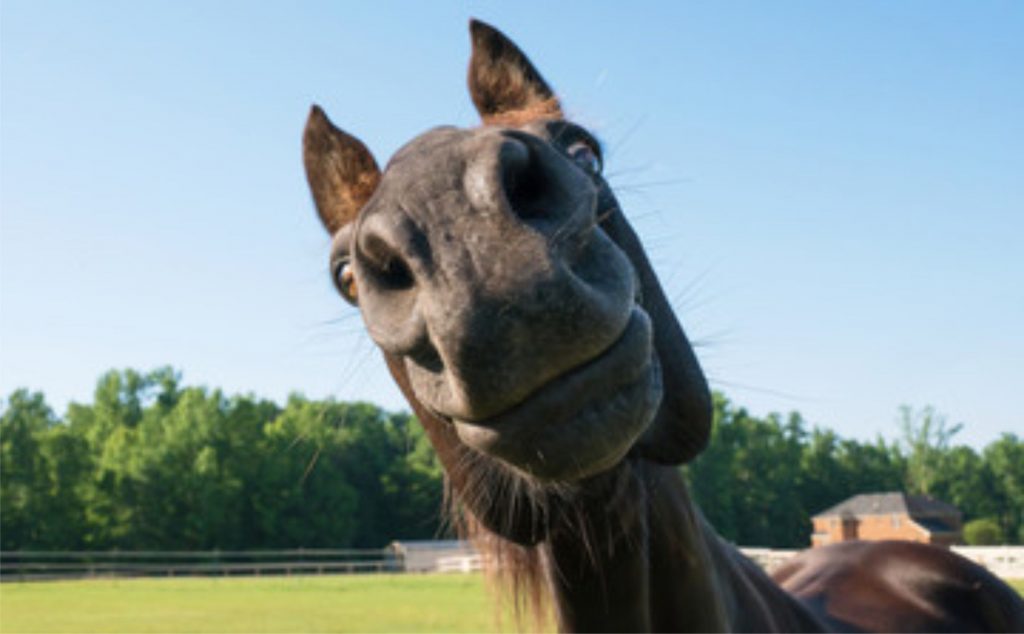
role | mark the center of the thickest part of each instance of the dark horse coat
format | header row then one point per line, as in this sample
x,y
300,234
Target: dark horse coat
x,y
518,313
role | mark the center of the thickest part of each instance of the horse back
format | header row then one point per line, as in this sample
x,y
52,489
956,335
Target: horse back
x,y
894,586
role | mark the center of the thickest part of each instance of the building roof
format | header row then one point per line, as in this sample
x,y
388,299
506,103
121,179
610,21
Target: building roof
x,y
934,525
888,503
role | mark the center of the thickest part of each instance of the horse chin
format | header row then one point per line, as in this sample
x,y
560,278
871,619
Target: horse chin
x,y
582,422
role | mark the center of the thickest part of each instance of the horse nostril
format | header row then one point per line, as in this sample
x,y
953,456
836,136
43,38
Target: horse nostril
x,y
426,356
395,274
522,179
387,268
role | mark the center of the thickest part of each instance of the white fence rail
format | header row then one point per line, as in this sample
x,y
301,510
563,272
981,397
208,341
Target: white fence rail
x,y
1002,561
769,558
460,563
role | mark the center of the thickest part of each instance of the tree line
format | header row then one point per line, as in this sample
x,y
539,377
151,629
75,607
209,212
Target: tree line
x,y
151,464
761,479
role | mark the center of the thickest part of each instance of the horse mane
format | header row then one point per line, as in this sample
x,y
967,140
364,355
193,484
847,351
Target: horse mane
x,y
519,575
513,573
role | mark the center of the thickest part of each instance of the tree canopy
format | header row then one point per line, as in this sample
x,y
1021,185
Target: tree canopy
x,y
151,464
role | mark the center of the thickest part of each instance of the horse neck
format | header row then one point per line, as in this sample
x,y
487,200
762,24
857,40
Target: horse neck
x,y
640,564
636,555
653,564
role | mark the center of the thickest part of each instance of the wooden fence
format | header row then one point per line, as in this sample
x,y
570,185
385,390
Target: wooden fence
x,y
37,565
1003,561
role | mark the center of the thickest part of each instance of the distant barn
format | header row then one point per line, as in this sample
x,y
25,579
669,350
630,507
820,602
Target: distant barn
x,y
878,516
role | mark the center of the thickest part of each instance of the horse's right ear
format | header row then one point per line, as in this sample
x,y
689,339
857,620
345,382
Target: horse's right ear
x,y
342,173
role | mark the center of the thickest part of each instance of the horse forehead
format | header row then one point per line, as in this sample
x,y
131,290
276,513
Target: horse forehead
x,y
422,153
444,149
423,168
441,177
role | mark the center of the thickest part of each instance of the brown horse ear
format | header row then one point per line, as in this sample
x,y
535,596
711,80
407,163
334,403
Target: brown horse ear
x,y
504,85
342,173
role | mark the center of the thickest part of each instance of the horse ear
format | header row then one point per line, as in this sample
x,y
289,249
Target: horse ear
x,y
342,173
504,85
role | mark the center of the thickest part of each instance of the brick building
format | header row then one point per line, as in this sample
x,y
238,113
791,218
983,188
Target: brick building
x,y
877,516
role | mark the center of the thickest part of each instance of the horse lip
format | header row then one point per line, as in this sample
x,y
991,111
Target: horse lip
x,y
627,352
556,414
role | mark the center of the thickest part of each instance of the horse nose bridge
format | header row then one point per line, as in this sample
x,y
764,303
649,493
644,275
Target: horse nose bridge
x,y
489,288
502,333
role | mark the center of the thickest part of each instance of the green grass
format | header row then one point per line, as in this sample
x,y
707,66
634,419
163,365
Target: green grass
x,y
1018,585
370,603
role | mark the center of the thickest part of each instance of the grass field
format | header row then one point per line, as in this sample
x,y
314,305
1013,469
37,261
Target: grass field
x,y
371,603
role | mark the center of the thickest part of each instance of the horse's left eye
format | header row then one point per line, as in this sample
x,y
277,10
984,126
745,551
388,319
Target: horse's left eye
x,y
585,156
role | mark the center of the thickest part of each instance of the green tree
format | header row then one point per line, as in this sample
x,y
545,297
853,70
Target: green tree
x,y
984,531
823,480
747,481
109,428
67,469
926,437
411,484
304,497
151,464
871,467
24,475
189,494
1005,458
966,481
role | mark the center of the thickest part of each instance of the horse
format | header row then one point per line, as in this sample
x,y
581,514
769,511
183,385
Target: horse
x,y
520,317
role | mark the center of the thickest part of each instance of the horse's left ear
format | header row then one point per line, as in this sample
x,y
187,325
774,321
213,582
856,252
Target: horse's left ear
x,y
504,85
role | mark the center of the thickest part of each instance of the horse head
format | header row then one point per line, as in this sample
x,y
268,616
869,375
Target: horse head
x,y
497,272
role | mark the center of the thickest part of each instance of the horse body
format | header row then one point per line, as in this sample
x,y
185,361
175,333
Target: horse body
x,y
518,313
897,586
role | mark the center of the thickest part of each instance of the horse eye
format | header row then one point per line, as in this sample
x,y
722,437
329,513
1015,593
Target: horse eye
x,y
585,156
345,281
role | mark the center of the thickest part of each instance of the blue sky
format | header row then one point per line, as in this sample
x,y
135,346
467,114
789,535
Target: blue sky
x,y
832,192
